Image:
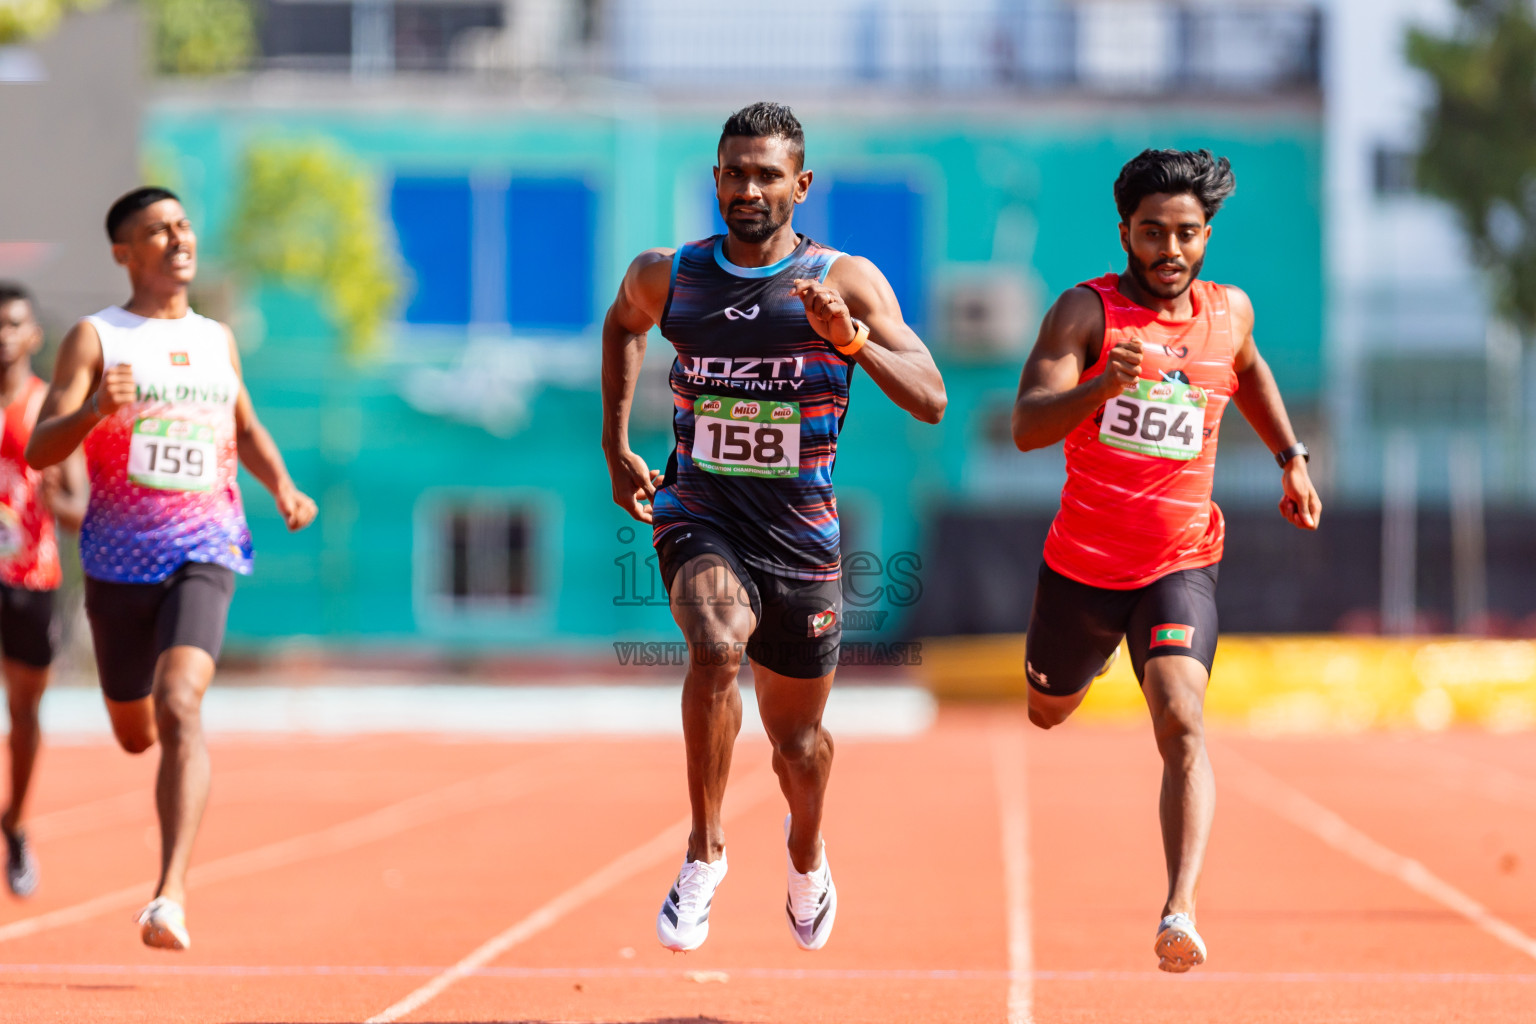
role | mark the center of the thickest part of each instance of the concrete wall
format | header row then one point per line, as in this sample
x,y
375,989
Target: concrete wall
x,y
70,145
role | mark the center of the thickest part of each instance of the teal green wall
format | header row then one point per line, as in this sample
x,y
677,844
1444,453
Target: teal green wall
x,y
1028,192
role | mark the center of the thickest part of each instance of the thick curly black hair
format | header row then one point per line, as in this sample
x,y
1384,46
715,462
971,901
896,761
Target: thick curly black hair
x,y
1174,172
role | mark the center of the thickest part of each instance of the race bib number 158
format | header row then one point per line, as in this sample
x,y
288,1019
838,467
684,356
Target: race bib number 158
x,y
1161,418
746,437
172,455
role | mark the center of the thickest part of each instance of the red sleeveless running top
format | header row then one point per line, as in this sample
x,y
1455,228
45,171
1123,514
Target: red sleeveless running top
x,y
29,550
1128,518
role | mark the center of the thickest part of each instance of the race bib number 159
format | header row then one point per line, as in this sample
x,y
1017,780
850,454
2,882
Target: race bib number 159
x,y
1161,418
172,455
746,437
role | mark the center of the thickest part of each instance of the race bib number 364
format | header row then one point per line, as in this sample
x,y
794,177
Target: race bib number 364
x,y
1161,418
172,455
746,437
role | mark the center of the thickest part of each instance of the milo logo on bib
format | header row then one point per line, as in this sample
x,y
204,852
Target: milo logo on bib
x,y
744,410
1161,418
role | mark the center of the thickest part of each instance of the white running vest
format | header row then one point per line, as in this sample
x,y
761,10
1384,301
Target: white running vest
x,y
163,489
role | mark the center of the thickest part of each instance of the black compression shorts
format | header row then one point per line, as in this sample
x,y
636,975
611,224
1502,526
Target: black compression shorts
x,y
799,622
134,623
29,627
1074,628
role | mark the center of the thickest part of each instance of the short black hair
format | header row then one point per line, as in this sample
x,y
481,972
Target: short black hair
x,y
130,204
13,291
1174,172
763,121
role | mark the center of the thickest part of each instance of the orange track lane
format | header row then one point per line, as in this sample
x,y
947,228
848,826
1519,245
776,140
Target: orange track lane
x,y
338,877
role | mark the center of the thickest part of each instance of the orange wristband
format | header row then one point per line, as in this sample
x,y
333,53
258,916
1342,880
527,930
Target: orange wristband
x,y
860,336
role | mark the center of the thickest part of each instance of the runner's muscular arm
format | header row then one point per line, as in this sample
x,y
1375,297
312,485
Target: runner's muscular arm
x,y
68,413
894,356
258,453
635,310
1258,399
1053,398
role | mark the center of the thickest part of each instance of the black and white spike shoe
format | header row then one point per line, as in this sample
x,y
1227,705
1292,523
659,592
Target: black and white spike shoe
x,y
812,904
683,923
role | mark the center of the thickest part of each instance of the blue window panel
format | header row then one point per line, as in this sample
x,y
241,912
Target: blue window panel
x,y
712,204
550,253
433,218
811,215
883,222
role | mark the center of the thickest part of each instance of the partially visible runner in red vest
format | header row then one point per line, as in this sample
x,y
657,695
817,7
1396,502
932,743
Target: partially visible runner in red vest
x,y
30,502
1134,371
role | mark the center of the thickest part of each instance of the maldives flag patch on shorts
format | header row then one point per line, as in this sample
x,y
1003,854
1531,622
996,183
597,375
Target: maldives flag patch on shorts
x,y
180,359
820,622
1172,634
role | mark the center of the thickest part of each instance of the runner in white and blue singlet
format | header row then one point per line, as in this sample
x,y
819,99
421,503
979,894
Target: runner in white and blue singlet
x,y
153,392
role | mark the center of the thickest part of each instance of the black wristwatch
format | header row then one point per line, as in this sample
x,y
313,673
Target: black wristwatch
x,y
1282,457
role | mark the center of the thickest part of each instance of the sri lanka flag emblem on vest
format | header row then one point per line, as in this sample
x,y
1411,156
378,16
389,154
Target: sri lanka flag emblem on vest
x,y
1172,634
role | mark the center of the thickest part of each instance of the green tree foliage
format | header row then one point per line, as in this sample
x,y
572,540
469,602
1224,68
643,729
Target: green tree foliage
x,y
1479,151
23,20
309,218
202,37
191,37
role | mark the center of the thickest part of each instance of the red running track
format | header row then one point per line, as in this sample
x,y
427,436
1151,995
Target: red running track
x,y
1372,878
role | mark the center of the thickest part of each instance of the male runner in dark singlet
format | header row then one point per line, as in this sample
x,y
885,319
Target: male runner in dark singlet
x,y
1134,370
768,327
30,574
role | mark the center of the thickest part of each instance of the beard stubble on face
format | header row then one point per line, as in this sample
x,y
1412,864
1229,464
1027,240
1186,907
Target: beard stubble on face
x,y
1143,275
762,230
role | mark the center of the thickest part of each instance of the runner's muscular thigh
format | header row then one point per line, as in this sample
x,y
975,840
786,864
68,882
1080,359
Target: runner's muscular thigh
x,y
710,604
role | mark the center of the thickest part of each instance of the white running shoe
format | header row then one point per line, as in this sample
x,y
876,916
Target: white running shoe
x,y
163,924
683,923
812,904
1179,947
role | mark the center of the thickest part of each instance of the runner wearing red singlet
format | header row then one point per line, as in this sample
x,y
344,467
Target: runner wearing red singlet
x,y
1133,371
30,501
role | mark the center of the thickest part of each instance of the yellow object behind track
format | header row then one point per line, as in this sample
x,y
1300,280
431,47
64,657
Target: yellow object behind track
x,y
1291,683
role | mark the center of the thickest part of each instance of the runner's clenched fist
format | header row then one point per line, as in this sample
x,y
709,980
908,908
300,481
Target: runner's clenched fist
x,y
1124,366
826,310
116,390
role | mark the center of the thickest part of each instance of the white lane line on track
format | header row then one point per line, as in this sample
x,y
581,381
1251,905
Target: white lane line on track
x,y
758,973
107,812
466,795
662,846
1009,767
1309,815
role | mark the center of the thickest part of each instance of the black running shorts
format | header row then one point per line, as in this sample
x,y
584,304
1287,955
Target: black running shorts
x,y
1074,628
799,622
29,629
134,623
